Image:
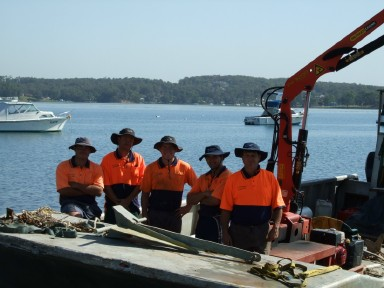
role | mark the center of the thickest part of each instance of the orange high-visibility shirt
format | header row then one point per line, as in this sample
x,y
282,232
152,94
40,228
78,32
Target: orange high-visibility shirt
x,y
251,199
67,171
216,185
119,170
166,183
90,174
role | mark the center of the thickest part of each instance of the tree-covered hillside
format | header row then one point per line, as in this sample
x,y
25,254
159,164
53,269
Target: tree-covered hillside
x,y
217,90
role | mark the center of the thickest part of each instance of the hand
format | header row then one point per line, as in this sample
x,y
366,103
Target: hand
x,y
208,193
145,215
227,240
73,184
273,233
125,202
78,187
184,210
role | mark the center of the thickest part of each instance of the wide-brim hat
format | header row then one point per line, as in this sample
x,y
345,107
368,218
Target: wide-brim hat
x,y
251,147
168,140
83,141
125,131
214,150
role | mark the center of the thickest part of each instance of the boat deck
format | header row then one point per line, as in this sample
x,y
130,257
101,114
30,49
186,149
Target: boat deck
x,y
96,260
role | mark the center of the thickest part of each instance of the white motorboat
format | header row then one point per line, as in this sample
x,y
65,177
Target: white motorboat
x,y
272,110
17,116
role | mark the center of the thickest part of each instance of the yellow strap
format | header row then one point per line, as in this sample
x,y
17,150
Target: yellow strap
x,y
265,273
286,273
319,271
291,266
273,271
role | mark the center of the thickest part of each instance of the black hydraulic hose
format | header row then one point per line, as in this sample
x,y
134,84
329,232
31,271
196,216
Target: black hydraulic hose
x,y
264,103
360,53
273,157
275,143
299,159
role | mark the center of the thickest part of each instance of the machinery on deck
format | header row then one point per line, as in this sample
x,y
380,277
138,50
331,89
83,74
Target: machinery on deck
x,y
290,164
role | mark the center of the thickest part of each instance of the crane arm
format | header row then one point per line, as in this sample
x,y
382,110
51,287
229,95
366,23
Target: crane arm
x,y
337,57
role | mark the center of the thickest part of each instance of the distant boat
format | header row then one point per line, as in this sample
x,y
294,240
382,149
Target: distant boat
x,y
16,116
272,109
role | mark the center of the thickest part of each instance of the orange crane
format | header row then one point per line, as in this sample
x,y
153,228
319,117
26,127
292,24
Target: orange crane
x,y
290,165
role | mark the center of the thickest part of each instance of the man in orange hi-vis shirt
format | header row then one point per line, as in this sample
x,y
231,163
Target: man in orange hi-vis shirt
x,y
207,192
251,200
123,171
162,187
79,181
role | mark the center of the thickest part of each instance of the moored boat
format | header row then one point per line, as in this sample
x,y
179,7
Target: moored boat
x,y
271,114
265,119
17,116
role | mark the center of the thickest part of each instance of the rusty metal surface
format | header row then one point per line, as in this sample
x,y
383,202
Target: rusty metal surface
x,y
305,251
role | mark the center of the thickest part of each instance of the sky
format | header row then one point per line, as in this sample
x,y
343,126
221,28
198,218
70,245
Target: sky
x,y
174,39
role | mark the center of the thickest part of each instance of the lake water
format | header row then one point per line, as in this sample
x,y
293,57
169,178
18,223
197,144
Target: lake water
x,y
338,142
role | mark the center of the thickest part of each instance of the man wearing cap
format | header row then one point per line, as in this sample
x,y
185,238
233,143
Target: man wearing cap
x,y
123,172
79,181
207,191
251,200
163,186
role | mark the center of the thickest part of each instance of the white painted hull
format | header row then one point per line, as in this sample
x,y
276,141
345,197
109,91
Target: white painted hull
x,y
55,124
17,116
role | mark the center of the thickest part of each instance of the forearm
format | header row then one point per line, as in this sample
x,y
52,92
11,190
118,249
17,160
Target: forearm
x,y
211,201
276,219
128,200
195,198
110,194
70,192
277,213
144,204
134,192
92,190
224,220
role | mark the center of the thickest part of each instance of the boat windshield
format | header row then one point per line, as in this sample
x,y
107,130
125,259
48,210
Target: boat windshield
x,y
22,108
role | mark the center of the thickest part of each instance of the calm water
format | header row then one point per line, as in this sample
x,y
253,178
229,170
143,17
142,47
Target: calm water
x,y
338,142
